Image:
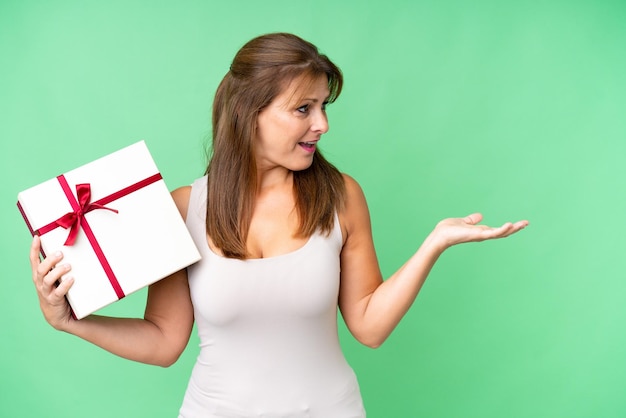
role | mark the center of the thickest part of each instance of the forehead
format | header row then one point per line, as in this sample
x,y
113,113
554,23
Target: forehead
x,y
303,88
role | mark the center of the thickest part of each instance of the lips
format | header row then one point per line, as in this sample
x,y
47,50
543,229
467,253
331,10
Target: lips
x,y
308,146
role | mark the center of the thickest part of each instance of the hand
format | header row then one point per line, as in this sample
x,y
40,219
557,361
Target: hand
x,y
46,274
454,231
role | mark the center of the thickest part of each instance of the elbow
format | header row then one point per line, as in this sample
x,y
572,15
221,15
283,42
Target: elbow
x,y
166,364
372,343
371,340
371,334
167,360
167,356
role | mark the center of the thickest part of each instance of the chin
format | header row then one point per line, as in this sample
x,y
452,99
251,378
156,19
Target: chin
x,y
301,167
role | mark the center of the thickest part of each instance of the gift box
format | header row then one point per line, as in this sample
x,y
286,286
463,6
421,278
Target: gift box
x,y
116,224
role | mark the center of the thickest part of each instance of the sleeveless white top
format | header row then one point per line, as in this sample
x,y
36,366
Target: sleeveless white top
x,y
268,331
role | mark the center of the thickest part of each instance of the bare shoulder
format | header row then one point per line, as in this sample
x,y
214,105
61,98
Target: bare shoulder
x,y
181,198
354,193
355,213
351,184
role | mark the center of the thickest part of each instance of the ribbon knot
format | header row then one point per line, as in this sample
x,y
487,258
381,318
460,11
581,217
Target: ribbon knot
x,y
72,220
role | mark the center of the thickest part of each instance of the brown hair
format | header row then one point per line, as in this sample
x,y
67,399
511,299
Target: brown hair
x,y
260,71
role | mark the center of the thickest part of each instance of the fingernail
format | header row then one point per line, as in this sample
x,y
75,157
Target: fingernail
x,y
58,254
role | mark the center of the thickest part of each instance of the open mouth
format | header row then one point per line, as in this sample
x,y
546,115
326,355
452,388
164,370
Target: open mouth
x,y
309,146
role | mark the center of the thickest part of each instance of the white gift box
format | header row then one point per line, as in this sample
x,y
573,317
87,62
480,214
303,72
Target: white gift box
x,y
128,236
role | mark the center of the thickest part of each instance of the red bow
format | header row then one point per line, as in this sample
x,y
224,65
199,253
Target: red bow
x,y
72,219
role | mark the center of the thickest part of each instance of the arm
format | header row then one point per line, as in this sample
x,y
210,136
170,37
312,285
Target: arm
x,y
159,338
372,307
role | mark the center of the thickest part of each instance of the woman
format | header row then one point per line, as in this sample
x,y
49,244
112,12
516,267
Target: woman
x,y
285,239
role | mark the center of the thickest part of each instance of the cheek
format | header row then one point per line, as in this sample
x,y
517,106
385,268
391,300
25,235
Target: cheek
x,y
270,141
280,131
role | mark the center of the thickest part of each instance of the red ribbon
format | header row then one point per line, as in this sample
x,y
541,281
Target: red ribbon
x,y
76,220
73,219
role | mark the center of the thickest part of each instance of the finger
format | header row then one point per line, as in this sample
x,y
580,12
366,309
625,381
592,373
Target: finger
x,y
511,228
507,229
65,285
500,232
521,224
55,275
514,227
517,226
35,249
46,265
473,219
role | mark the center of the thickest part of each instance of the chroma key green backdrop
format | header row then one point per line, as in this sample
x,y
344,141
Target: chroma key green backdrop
x,y
514,109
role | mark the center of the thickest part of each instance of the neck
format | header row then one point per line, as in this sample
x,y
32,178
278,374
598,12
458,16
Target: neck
x,y
274,178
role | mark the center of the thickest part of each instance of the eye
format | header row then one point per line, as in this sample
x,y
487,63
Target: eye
x,y
303,109
324,105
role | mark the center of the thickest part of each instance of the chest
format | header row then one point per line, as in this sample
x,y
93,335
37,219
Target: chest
x,y
300,284
274,228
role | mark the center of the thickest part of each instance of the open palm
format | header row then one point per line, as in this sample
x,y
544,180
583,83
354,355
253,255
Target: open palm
x,y
454,231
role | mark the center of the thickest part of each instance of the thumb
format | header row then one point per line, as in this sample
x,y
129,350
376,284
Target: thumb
x,y
473,219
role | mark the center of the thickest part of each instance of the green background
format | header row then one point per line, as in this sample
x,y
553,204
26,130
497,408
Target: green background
x,y
514,109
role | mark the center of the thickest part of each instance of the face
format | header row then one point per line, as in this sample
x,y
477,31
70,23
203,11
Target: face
x,y
289,128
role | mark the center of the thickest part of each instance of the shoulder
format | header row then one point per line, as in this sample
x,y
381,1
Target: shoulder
x,y
181,198
353,189
182,195
355,214
355,198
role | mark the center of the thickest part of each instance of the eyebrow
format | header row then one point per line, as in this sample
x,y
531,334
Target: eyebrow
x,y
314,100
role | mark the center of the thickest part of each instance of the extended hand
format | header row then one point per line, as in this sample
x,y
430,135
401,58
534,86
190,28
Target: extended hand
x,y
454,231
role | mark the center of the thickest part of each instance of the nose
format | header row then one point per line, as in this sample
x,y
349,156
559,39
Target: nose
x,y
320,122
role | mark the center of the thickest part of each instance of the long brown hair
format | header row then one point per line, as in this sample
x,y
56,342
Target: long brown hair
x,y
260,71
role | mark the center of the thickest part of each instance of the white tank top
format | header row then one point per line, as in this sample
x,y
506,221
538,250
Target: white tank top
x,y
268,331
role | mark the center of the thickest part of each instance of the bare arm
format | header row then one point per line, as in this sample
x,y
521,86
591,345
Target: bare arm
x,y
159,338
372,307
